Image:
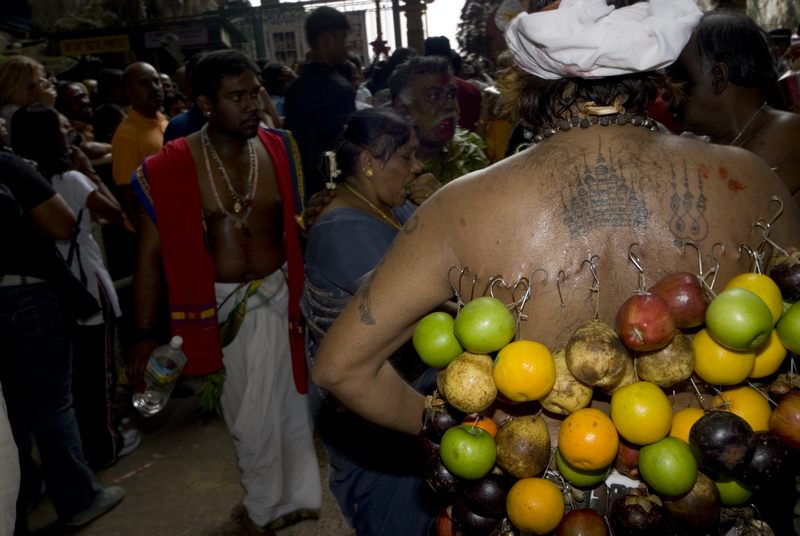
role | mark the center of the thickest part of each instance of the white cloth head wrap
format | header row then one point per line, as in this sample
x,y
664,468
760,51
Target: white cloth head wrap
x,y
590,39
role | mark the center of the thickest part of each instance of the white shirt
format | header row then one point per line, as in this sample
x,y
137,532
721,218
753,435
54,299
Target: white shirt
x,y
75,188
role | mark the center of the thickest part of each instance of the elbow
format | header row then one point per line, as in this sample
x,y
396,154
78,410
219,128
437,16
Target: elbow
x,y
325,376
63,232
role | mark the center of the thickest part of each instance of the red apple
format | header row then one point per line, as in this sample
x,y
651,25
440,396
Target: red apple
x,y
785,419
582,522
627,462
644,323
469,523
685,297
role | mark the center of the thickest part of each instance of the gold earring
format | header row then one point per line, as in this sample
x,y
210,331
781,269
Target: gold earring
x,y
368,172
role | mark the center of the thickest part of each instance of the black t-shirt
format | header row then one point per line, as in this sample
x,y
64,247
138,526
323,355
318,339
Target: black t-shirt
x,y
25,249
317,104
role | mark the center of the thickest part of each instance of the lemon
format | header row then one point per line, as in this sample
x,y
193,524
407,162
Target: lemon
x,y
524,371
641,412
769,356
719,365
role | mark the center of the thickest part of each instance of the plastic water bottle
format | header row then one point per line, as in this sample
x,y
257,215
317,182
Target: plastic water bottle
x,y
163,368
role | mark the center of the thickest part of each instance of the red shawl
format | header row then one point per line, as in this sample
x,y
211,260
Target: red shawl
x,y
169,188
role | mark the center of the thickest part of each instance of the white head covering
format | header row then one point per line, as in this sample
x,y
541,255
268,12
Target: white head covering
x,y
590,39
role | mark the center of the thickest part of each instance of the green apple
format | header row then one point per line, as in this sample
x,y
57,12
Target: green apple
x,y
484,325
788,328
580,478
435,341
732,492
668,466
468,451
738,319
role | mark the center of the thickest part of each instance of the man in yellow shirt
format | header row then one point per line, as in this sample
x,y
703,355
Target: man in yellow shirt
x,y
141,134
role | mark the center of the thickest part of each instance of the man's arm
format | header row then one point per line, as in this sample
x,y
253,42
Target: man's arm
x,y
54,218
352,361
146,294
124,162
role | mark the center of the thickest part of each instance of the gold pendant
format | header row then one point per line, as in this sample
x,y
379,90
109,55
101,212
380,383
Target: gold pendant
x,y
237,207
238,224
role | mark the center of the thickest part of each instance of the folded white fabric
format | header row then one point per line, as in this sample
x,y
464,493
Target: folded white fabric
x,y
590,39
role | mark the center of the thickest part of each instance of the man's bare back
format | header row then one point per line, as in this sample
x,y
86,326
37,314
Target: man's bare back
x,y
242,254
582,193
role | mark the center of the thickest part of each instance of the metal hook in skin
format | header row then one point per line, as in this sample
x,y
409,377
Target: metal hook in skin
x,y
595,288
779,212
520,304
765,230
636,262
560,277
755,261
699,255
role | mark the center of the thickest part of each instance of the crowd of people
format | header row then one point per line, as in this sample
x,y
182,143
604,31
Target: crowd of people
x,y
293,225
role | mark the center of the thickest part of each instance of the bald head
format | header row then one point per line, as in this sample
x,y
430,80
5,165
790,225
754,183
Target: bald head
x,y
143,88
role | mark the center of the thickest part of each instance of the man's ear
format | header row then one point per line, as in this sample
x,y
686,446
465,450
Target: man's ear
x,y
400,106
205,104
720,77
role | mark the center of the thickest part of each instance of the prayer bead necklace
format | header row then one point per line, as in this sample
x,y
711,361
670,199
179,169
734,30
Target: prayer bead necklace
x,y
242,205
390,220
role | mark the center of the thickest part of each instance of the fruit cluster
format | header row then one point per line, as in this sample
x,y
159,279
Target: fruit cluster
x,y
690,461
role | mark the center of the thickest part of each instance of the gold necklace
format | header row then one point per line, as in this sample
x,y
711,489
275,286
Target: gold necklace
x,y
746,126
390,220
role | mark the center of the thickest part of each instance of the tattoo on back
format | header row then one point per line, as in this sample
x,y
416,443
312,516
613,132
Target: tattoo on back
x,y
603,197
688,206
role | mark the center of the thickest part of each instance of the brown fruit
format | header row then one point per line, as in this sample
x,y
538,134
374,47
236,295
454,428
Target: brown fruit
x,y
697,509
627,461
467,383
685,297
785,419
668,366
523,446
568,393
595,355
628,377
582,522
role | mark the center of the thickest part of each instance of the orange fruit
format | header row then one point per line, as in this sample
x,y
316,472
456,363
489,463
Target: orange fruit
x,y
535,505
641,412
746,402
719,365
588,439
682,421
482,422
768,357
524,371
764,287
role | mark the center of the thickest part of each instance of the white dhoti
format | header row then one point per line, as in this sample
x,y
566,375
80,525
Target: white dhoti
x,y
267,417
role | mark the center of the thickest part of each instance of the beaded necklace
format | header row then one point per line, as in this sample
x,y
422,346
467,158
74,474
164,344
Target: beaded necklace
x,y
390,220
747,125
242,204
591,114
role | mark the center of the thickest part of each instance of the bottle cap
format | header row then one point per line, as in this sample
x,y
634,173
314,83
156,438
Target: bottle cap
x,y
176,342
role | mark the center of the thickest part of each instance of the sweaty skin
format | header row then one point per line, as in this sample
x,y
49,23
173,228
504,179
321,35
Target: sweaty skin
x,y
578,194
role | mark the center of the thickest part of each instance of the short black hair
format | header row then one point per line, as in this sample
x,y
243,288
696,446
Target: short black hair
x,y
402,77
381,131
209,71
736,40
323,20
36,135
